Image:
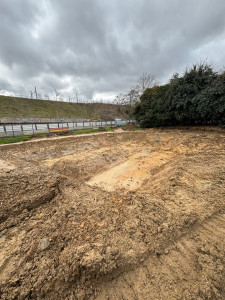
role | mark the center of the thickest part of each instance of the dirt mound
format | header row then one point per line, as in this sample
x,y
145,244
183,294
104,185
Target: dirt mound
x,y
130,126
132,215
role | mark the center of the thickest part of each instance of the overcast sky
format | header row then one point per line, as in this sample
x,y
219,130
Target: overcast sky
x,y
99,48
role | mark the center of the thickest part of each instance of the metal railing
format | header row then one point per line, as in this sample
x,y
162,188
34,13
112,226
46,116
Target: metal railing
x,y
23,129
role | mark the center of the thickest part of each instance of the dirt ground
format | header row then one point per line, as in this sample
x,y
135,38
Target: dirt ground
x,y
124,215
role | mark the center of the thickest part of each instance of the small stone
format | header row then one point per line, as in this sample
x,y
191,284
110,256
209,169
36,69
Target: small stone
x,y
44,244
165,226
108,250
159,229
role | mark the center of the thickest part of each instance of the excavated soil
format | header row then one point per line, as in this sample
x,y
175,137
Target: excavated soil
x,y
126,215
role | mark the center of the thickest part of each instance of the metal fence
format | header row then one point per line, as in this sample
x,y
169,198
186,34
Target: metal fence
x,y
14,130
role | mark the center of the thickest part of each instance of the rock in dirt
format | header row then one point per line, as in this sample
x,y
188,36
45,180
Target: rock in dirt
x,y
44,244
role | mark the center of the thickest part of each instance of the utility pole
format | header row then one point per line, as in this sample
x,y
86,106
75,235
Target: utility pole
x,y
35,91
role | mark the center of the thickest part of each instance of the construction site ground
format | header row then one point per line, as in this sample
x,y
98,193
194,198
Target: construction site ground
x,y
123,215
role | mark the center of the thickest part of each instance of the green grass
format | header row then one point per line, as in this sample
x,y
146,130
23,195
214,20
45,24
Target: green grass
x,y
92,130
85,131
14,139
138,128
108,129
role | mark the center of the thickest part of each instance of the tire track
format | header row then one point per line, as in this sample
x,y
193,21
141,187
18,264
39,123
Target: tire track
x,y
180,274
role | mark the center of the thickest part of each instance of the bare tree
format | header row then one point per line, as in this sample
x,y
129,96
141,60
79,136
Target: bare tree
x,y
132,97
57,93
76,97
35,91
120,99
145,81
127,99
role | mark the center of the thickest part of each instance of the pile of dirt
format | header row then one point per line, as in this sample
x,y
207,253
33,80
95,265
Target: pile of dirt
x,y
123,215
130,126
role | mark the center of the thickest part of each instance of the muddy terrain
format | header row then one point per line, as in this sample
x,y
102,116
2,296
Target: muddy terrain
x,y
124,215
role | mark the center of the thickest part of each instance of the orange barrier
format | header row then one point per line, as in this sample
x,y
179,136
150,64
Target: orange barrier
x,y
58,129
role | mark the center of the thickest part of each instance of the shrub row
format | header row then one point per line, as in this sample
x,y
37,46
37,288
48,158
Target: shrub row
x,y
196,98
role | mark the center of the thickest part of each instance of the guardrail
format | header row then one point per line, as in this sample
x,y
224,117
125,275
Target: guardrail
x,y
15,130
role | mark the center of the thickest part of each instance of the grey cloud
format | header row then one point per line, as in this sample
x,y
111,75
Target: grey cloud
x,y
5,85
101,46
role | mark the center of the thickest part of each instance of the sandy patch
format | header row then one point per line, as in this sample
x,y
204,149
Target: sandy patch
x,y
131,174
5,166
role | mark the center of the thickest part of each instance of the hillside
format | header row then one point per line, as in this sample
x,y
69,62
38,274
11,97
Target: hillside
x,y
29,108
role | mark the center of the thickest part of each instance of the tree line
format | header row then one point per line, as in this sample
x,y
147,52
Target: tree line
x,y
195,98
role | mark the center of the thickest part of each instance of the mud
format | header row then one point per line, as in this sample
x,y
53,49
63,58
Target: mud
x,y
126,215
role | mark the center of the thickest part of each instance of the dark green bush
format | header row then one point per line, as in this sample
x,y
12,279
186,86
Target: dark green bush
x,y
197,97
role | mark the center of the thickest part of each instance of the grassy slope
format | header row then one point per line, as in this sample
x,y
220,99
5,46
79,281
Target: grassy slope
x,y
19,107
